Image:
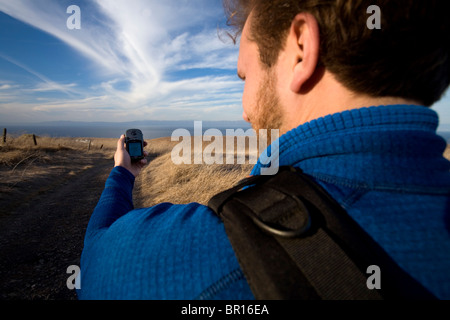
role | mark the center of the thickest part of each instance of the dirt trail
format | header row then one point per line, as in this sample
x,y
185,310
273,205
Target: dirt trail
x,y
42,231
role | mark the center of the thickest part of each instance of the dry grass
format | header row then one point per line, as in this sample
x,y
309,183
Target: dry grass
x,y
163,181
21,150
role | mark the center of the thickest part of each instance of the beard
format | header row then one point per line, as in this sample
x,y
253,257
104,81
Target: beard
x,y
268,114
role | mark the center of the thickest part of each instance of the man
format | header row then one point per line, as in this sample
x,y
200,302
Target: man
x,y
351,104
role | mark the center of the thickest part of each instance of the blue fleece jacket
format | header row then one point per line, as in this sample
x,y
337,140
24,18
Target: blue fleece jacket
x,y
383,164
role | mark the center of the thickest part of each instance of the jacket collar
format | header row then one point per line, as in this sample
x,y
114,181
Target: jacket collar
x,y
385,148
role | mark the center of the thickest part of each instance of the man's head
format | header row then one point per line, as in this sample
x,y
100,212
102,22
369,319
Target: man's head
x,y
408,58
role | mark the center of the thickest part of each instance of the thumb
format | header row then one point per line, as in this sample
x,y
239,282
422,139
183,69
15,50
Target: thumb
x,y
121,143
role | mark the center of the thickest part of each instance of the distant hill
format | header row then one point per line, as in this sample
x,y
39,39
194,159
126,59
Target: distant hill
x,y
168,123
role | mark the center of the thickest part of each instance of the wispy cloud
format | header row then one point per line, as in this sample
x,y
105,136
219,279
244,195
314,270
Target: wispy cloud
x,y
46,85
136,47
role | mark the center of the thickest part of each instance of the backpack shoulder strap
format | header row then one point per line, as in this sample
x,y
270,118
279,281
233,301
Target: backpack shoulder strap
x,y
293,241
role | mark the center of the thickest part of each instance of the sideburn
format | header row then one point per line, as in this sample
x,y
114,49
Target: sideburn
x,y
269,112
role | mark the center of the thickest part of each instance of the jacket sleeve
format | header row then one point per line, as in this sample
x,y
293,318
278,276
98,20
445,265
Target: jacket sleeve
x,y
115,202
168,251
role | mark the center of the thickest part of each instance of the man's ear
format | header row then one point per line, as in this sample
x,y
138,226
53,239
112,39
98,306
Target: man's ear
x,y
305,32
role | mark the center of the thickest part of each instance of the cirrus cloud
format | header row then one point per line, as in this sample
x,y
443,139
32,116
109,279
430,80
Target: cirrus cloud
x,y
146,54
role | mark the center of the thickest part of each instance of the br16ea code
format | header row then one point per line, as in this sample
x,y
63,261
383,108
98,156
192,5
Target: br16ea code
x,y
246,309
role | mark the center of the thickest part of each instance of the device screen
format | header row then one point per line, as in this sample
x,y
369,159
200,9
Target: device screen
x,y
134,148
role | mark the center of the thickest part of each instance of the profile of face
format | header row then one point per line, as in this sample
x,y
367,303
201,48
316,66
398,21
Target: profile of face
x,y
260,100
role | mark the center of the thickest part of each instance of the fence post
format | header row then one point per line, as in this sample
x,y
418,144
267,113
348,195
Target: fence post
x,y
34,140
4,135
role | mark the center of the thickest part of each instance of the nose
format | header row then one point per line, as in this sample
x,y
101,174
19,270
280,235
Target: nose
x,y
245,116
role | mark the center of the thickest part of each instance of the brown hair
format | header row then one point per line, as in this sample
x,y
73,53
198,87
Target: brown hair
x,y
408,57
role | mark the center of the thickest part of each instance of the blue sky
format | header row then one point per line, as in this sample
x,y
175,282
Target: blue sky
x,y
131,60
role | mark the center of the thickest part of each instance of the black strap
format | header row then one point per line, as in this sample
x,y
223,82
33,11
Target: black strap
x,y
294,241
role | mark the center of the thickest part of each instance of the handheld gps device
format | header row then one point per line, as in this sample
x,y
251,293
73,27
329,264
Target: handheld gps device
x,y
134,141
